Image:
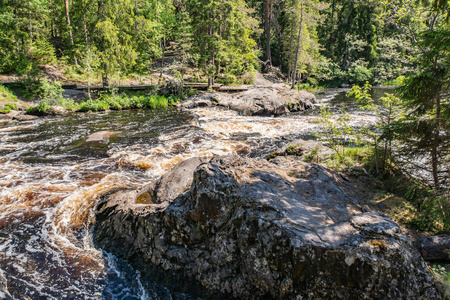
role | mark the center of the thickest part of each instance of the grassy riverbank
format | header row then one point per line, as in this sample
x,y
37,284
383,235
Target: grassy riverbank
x,y
107,101
8,101
49,97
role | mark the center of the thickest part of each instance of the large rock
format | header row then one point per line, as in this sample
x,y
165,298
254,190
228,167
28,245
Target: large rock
x,y
23,118
171,185
101,136
252,229
436,248
259,100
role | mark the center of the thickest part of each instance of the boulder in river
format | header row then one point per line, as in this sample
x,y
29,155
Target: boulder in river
x,y
251,229
101,136
259,100
22,118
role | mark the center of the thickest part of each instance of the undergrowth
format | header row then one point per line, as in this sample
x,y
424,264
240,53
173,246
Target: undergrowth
x,y
108,101
423,208
6,94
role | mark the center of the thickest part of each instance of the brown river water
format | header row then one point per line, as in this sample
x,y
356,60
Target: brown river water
x,y
50,179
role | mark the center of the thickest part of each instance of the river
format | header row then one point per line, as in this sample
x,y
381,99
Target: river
x,y
50,179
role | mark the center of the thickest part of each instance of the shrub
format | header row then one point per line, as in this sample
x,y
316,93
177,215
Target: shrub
x,y
8,107
6,94
359,74
228,78
248,77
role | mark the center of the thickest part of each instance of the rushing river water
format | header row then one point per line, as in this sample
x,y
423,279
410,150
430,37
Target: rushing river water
x,y
50,179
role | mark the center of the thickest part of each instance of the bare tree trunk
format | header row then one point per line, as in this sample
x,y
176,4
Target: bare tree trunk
x,y
105,82
279,44
268,4
212,56
66,5
163,46
134,16
53,28
29,20
85,27
298,46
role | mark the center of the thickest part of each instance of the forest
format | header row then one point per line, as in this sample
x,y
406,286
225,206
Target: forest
x,y
313,42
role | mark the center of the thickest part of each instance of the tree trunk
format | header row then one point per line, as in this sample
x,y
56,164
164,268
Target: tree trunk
x,y
268,4
435,145
280,55
105,82
53,28
85,27
298,45
66,5
100,9
134,16
163,46
29,20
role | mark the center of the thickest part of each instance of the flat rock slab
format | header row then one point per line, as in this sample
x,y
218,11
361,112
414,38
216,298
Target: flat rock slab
x,y
101,136
9,115
252,229
259,100
24,118
310,149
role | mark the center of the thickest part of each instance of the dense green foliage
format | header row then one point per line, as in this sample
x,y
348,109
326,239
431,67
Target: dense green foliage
x,y
319,41
106,101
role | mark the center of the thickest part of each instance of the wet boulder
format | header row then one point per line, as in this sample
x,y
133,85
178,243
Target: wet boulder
x,y
101,136
269,100
251,229
172,184
201,100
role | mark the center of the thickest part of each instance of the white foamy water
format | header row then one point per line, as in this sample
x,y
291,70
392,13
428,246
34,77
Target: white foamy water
x,y
50,180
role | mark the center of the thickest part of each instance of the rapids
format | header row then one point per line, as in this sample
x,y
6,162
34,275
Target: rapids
x,y
50,178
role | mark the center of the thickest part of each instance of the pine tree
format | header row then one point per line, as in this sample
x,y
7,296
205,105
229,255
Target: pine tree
x,y
113,39
300,47
222,36
425,132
